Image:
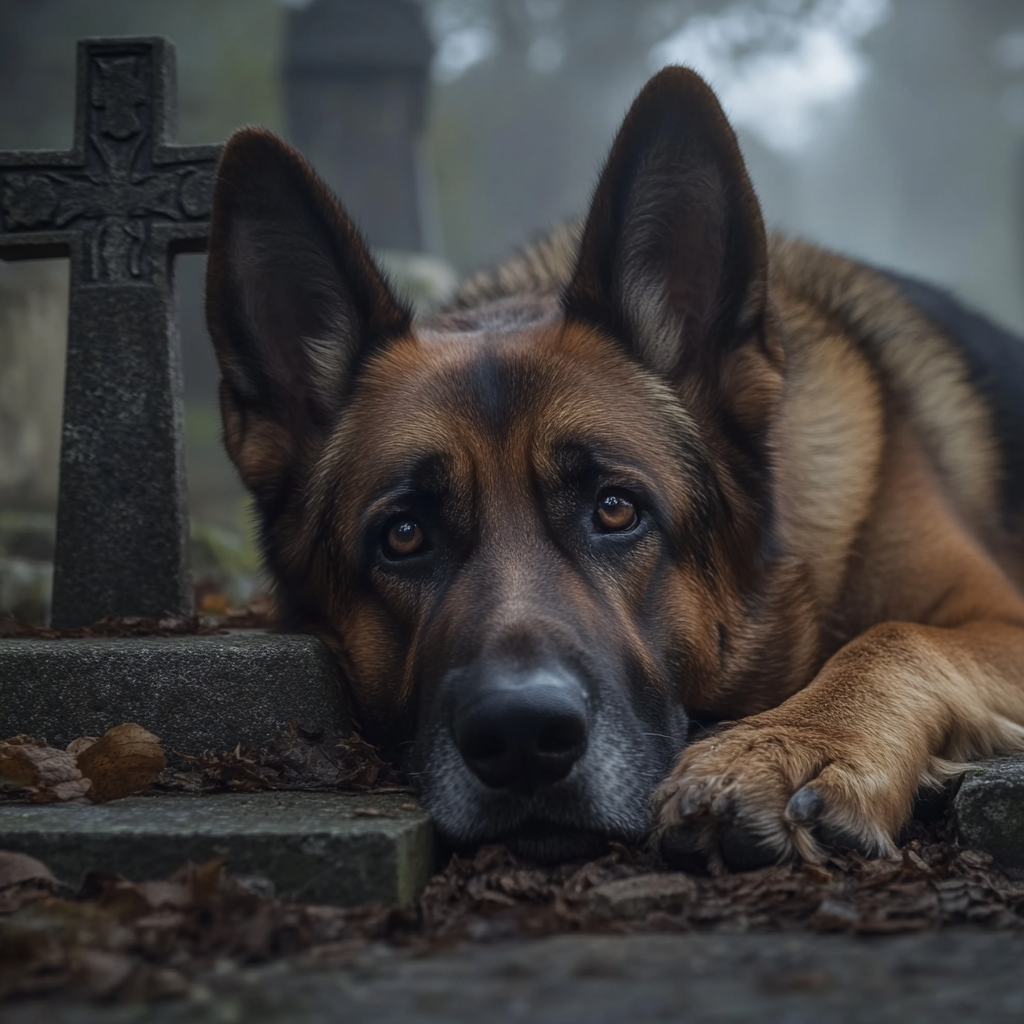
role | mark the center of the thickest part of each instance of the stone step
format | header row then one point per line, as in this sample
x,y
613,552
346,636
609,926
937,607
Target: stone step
x,y
988,811
194,692
343,849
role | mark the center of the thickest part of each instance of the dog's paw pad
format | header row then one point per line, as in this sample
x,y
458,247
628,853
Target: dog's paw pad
x,y
680,849
844,839
744,850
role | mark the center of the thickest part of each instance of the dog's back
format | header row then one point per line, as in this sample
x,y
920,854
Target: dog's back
x,y
994,363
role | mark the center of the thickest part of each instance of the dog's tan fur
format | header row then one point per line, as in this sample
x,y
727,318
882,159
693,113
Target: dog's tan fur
x,y
882,642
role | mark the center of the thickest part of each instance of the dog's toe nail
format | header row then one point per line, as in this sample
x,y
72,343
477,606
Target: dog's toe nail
x,y
743,850
804,805
688,803
723,805
681,850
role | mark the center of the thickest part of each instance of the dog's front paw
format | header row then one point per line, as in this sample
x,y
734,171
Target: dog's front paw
x,y
754,795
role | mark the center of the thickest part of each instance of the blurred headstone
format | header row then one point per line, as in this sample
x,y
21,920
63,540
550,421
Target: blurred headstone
x,y
356,76
120,203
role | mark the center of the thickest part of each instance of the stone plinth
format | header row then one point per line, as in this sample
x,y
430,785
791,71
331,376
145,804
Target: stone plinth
x,y
318,847
988,811
195,693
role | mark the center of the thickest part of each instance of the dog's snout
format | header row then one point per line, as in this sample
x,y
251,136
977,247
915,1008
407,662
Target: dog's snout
x,y
522,730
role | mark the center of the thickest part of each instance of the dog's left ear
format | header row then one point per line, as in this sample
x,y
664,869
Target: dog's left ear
x,y
673,259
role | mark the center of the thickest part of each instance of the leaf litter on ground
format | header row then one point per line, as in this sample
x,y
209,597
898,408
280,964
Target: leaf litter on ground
x,y
215,618
124,760
130,940
125,939
310,758
128,759
40,773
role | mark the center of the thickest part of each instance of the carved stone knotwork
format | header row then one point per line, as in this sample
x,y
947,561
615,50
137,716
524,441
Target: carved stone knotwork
x,y
120,193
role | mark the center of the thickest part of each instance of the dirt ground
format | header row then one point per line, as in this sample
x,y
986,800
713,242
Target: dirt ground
x,y
953,977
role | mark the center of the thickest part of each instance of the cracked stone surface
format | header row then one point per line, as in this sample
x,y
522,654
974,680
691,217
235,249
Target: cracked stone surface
x,y
319,847
947,978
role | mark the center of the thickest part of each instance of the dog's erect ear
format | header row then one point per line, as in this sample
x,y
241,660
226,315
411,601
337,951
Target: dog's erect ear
x,y
294,304
673,258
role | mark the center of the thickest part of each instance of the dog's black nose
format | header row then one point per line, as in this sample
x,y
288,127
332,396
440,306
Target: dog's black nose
x,y
522,730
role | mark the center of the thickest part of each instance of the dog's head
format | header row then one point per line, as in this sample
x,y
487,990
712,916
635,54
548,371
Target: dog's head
x,y
528,529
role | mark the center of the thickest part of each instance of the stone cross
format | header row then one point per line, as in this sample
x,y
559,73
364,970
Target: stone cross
x,y
121,202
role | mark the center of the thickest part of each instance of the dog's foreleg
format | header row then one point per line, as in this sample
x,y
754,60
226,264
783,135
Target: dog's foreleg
x,y
843,758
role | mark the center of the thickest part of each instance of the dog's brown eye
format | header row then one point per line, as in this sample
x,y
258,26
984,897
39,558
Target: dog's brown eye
x,y
616,512
404,538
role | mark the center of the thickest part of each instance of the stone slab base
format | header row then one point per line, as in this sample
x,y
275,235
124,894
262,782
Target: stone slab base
x,y
319,847
988,811
195,693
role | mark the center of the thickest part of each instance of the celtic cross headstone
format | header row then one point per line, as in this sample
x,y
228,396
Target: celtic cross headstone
x,y
120,203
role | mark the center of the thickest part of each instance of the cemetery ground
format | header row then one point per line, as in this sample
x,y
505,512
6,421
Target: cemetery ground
x,y
124,908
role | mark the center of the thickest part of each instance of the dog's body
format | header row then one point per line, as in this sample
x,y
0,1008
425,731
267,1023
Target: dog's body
x,y
655,468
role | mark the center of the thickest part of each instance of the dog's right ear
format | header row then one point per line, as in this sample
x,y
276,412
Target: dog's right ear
x,y
294,304
674,260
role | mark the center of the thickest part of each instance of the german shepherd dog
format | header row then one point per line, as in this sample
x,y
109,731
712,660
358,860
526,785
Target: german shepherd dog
x,y
659,468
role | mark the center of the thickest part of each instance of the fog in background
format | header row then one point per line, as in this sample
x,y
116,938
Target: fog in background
x,y
892,130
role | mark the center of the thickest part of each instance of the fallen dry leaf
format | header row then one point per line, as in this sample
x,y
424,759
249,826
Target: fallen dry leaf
x,y
361,765
75,747
48,774
24,880
668,892
22,740
125,760
99,972
18,868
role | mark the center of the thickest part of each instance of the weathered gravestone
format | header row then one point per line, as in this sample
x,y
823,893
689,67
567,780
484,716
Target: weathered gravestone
x,y
121,202
356,77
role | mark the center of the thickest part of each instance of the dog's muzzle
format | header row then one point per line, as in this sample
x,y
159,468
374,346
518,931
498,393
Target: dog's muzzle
x,y
519,729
